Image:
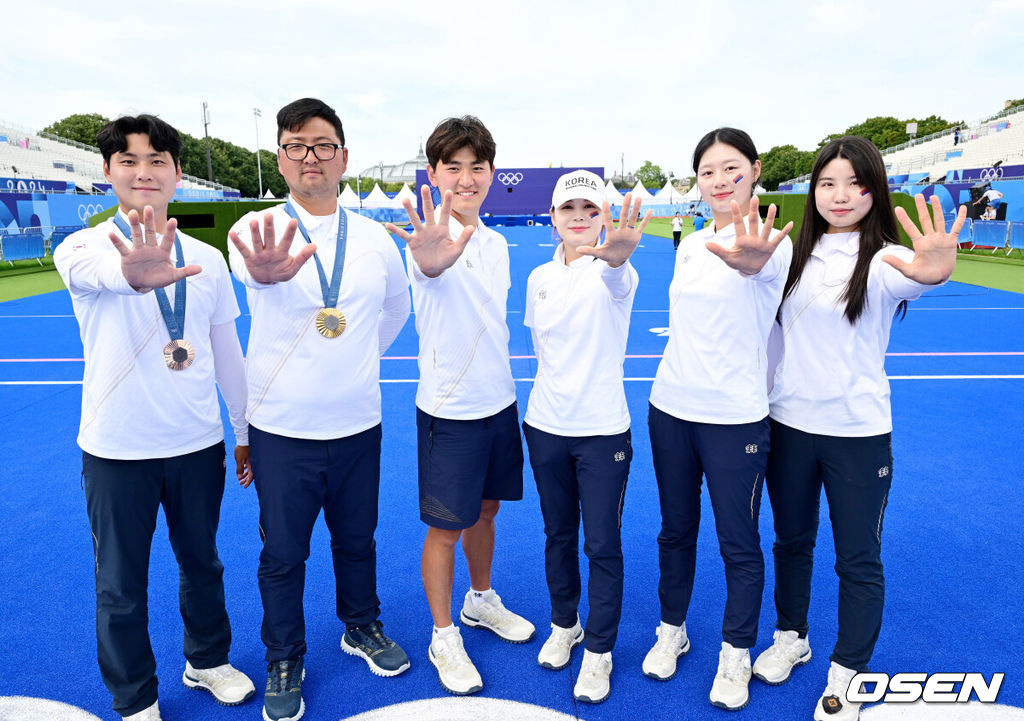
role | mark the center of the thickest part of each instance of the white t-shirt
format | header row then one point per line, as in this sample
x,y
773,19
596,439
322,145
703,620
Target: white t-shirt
x,y
133,406
460,317
301,384
715,365
578,315
831,378
677,224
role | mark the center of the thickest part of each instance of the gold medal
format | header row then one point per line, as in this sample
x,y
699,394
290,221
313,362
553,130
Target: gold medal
x,y
330,322
179,355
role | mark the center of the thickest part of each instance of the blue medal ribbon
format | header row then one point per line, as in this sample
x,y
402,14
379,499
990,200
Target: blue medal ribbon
x,y
330,290
175,321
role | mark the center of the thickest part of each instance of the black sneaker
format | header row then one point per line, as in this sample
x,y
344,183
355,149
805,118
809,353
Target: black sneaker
x,y
283,698
382,655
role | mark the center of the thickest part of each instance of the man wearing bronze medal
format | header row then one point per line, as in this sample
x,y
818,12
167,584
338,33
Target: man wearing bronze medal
x,y
313,370
156,311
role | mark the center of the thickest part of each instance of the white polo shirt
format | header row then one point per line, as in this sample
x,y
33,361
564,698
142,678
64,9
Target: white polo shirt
x,y
578,315
133,406
460,318
715,365
831,377
301,384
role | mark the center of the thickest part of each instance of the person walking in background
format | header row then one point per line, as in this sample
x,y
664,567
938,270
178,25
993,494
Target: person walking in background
x,y
677,230
831,422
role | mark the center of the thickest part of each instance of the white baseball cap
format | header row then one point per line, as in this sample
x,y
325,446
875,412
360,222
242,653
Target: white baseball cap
x,y
578,184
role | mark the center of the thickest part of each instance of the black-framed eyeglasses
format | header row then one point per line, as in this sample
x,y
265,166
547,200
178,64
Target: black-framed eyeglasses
x,y
321,151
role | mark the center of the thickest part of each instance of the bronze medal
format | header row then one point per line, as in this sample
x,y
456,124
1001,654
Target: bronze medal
x,y
330,322
179,355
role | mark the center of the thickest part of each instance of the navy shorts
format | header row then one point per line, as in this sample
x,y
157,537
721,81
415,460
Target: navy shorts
x,y
462,463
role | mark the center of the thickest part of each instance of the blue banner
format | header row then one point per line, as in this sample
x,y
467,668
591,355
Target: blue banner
x,y
31,185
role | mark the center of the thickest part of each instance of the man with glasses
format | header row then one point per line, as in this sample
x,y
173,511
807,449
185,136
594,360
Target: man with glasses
x,y
313,369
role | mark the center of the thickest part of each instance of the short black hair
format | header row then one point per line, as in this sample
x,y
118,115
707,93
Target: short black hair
x,y
112,137
453,134
295,114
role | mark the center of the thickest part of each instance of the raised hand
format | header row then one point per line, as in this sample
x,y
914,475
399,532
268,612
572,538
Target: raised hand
x,y
934,248
430,242
619,243
147,264
752,249
269,263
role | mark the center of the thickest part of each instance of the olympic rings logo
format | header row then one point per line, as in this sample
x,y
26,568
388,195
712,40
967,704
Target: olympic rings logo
x,y
510,178
991,174
87,210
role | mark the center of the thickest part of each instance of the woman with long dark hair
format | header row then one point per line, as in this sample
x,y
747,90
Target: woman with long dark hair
x,y
709,407
831,421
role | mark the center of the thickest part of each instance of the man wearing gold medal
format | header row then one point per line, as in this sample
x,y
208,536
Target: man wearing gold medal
x,y
313,371
156,311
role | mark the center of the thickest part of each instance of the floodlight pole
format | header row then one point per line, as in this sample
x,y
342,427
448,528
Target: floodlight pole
x,y
259,170
206,134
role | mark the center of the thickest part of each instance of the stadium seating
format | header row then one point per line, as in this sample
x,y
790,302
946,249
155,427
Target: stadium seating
x,y
46,157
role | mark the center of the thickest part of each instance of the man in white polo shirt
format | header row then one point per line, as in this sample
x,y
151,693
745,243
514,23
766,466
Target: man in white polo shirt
x,y
470,452
157,316
313,371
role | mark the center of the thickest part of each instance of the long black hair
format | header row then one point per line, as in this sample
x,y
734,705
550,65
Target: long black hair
x,y
877,229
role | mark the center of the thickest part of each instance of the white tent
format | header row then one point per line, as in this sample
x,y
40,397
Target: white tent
x,y
268,195
612,194
668,194
692,195
405,192
377,198
348,198
639,191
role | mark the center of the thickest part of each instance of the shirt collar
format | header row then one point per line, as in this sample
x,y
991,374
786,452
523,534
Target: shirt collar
x,y
582,262
312,222
845,243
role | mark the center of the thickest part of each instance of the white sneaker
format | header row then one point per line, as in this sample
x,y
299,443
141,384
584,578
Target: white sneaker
x,y
660,661
456,672
730,689
147,714
593,684
493,616
555,652
228,685
776,662
833,706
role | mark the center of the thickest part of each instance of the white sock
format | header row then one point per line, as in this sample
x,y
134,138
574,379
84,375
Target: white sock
x,y
439,632
478,597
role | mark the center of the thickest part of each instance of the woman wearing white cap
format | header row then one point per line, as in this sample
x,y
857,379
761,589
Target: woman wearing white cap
x,y
577,308
709,408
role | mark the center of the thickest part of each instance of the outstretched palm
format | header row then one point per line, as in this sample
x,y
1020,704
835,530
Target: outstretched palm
x,y
147,264
752,248
934,248
430,242
269,263
619,243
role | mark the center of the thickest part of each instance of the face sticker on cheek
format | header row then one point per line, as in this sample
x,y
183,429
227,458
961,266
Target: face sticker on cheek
x,y
864,192
595,213
738,178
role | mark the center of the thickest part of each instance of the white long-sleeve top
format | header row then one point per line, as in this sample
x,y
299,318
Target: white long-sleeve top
x,y
301,384
460,317
133,406
831,377
578,315
715,365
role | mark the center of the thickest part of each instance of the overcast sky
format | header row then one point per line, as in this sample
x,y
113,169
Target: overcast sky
x,y
561,83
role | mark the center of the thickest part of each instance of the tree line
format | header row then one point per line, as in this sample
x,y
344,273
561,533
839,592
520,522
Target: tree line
x,y
235,166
